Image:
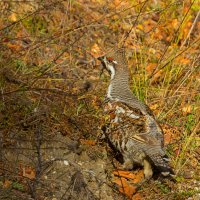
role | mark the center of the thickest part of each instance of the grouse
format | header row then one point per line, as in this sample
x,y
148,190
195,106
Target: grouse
x,y
130,125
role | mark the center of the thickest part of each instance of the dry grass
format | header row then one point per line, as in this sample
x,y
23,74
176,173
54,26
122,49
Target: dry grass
x,y
48,70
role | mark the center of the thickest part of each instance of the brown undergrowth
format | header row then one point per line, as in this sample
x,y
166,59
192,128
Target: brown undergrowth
x,y
51,95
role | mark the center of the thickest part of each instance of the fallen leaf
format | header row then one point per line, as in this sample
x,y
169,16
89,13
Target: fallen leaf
x,y
139,176
151,67
124,187
182,60
140,27
157,76
6,184
159,33
58,61
177,151
125,180
124,174
28,172
14,47
149,25
154,107
153,51
187,28
167,138
13,17
88,142
174,23
187,109
96,102
171,133
185,61
95,50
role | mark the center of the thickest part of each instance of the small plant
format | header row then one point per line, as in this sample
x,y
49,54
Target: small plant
x,y
36,24
190,123
164,188
185,194
17,186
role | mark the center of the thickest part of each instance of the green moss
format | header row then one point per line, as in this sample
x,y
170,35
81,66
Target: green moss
x,y
18,186
185,194
36,25
190,123
164,188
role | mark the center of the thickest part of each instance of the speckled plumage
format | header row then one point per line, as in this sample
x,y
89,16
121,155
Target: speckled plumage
x,y
130,125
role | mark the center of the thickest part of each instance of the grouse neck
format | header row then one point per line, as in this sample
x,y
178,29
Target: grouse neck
x,y
119,87
119,90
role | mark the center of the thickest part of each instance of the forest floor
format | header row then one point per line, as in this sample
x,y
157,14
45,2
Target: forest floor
x,y
52,93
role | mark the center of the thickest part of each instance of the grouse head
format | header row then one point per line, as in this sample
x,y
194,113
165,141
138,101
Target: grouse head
x,y
115,63
109,64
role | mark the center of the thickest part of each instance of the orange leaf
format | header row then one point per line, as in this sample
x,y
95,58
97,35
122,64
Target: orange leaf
x,y
127,180
88,142
95,50
28,172
13,17
6,184
125,187
185,61
13,47
177,152
170,133
125,174
139,176
167,138
135,177
140,26
174,23
157,75
150,67
154,107
182,60
187,109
